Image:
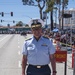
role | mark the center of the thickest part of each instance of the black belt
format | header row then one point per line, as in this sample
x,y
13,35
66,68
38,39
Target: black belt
x,y
38,66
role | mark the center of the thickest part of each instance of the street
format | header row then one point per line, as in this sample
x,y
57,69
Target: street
x,y
10,55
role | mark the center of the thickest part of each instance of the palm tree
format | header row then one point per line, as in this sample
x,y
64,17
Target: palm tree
x,y
50,7
64,4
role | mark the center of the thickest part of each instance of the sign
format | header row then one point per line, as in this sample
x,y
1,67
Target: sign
x,y
67,15
61,56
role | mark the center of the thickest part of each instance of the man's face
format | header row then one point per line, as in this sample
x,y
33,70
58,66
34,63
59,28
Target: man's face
x,y
37,32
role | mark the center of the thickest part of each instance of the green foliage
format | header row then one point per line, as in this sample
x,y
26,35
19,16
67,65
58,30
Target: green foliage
x,y
26,25
50,5
58,1
65,3
19,23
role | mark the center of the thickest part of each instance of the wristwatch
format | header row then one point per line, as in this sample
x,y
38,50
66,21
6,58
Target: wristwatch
x,y
54,71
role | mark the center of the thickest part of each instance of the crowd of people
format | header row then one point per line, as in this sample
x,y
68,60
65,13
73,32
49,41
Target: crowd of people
x,y
61,39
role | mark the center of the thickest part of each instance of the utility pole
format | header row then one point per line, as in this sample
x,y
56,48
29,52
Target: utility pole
x,y
74,65
74,61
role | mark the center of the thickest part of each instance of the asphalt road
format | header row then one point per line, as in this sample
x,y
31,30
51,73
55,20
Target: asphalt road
x,y
10,55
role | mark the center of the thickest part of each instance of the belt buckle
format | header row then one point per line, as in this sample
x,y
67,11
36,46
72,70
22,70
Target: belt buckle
x,y
38,66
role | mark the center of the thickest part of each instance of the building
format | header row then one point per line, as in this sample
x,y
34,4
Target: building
x,y
69,22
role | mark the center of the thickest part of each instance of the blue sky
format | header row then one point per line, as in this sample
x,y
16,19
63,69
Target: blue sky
x,y
21,12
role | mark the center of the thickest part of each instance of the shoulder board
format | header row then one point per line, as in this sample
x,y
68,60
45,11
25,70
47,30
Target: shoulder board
x,y
46,37
28,39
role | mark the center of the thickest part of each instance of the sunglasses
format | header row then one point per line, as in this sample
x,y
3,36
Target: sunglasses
x,y
35,29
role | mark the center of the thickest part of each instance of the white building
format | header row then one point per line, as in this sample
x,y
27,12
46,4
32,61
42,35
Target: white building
x,y
68,22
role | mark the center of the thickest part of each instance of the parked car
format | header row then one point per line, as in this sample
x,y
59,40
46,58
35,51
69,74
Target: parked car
x,y
23,33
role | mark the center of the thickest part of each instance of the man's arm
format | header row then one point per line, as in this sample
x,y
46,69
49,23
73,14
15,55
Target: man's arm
x,y
24,63
53,64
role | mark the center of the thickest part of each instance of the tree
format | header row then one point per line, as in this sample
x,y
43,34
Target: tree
x,y
20,23
50,7
26,25
64,4
39,3
58,2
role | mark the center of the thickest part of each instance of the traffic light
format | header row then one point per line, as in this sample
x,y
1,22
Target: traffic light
x,y
1,20
11,13
44,15
8,25
23,0
2,14
13,21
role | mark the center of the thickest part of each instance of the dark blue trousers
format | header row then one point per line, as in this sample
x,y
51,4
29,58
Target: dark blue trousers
x,y
32,70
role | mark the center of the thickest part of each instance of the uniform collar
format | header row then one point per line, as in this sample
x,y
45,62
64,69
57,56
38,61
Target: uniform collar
x,y
39,38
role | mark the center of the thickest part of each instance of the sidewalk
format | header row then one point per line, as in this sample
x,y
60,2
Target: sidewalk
x,y
60,67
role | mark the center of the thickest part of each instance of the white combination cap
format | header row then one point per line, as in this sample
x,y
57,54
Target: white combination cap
x,y
36,23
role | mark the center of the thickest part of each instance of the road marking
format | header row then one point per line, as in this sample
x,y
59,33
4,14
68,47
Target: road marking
x,y
18,38
69,60
19,52
18,46
18,42
19,64
3,38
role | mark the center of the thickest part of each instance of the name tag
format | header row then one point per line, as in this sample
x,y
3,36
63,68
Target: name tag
x,y
44,45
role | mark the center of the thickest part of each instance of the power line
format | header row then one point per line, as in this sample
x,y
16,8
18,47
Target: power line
x,y
10,3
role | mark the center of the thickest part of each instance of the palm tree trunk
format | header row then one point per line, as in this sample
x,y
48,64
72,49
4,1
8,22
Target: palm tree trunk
x,y
51,20
62,14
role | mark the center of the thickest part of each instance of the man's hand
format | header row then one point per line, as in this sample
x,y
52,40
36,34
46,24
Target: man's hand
x,y
24,63
54,74
23,74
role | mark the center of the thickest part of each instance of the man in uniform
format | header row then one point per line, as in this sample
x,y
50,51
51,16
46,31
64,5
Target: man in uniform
x,y
38,52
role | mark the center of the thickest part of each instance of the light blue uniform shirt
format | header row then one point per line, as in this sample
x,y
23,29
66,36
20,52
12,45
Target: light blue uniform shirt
x,y
38,51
